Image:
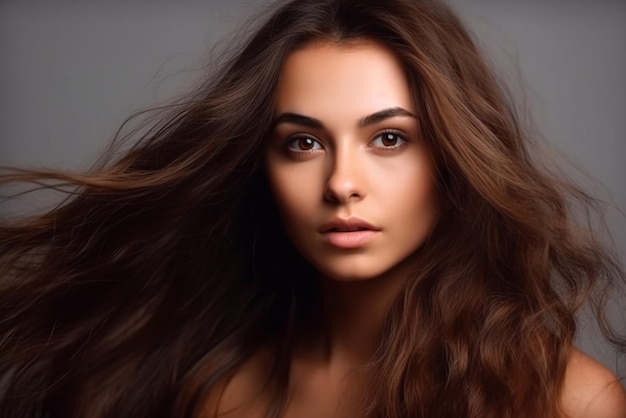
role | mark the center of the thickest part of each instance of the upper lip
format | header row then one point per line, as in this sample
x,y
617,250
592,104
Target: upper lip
x,y
347,224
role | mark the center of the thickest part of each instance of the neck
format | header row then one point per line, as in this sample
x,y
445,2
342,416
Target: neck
x,y
353,315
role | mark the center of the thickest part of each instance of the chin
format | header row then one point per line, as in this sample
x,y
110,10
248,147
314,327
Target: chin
x,y
353,273
363,267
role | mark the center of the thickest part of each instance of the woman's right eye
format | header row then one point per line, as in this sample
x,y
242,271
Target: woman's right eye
x,y
303,144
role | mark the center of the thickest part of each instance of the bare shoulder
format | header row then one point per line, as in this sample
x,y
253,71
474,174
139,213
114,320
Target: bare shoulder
x,y
590,390
241,396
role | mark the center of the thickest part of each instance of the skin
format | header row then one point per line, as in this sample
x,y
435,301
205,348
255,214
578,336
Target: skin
x,y
345,166
353,153
591,390
340,167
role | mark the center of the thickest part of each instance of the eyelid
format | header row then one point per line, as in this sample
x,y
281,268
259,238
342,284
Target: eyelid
x,y
400,134
291,139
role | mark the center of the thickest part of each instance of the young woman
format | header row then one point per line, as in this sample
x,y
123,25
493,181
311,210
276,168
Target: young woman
x,y
345,221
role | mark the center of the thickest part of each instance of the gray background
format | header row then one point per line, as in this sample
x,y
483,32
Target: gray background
x,y
72,71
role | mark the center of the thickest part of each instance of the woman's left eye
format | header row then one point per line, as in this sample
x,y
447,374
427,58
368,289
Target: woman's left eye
x,y
388,140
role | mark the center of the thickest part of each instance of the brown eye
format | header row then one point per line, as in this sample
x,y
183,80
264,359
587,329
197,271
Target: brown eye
x,y
306,144
389,140
303,144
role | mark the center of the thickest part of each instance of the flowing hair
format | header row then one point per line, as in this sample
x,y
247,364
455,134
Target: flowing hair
x,y
166,268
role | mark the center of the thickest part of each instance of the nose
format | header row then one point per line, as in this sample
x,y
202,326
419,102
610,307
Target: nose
x,y
345,181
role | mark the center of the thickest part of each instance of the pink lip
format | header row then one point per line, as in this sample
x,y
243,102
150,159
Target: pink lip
x,y
347,223
348,233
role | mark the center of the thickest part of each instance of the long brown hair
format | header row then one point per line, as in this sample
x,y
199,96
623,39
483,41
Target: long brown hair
x,y
165,269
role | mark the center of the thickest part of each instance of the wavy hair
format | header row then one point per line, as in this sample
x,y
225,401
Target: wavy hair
x,y
162,271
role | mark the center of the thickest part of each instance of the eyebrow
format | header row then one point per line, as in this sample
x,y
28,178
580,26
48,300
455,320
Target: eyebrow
x,y
365,121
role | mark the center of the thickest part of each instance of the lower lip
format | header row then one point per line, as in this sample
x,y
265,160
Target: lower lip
x,y
351,239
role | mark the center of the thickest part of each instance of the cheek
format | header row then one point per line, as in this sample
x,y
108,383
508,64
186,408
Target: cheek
x,y
407,178
295,192
414,196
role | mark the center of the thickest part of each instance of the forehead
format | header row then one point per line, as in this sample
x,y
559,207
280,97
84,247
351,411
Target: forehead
x,y
326,78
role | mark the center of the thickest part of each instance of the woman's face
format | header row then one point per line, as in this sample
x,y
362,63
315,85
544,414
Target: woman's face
x,y
351,177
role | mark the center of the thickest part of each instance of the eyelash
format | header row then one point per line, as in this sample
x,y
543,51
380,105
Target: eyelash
x,y
394,132
293,139
296,137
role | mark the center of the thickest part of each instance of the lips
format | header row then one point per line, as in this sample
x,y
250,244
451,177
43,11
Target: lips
x,y
348,233
347,225
348,229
